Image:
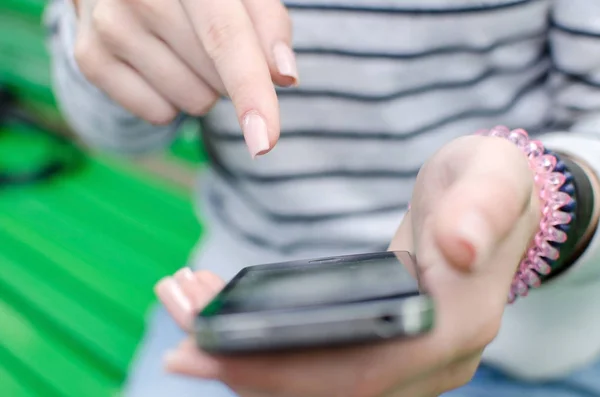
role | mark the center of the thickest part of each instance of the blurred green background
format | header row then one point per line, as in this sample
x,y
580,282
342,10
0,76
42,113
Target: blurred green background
x,y
81,249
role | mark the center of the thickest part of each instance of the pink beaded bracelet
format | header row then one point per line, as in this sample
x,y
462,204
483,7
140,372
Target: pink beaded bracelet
x,y
543,249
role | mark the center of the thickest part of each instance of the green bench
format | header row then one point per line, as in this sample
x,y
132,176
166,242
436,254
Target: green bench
x,y
79,255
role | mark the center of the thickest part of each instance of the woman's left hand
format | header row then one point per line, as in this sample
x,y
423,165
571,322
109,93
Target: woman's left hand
x,y
474,211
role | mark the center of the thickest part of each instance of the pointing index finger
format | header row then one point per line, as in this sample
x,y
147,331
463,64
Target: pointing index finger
x,y
229,39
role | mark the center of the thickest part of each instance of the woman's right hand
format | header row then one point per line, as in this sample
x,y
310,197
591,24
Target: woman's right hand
x,y
157,58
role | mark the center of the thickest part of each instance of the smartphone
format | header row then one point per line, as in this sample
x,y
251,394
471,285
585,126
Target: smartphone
x,y
317,303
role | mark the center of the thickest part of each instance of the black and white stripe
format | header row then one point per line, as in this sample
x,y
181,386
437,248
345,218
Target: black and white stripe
x,y
385,83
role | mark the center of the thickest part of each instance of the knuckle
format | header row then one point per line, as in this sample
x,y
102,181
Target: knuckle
x,y
84,54
278,16
108,25
206,276
220,33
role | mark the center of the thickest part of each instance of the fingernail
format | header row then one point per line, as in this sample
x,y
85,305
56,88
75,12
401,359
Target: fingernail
x,y
175,301
255,133
474,232
185,274
196,292
285,60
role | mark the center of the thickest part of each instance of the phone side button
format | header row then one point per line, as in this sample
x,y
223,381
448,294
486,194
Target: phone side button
x,y
386,325
326,260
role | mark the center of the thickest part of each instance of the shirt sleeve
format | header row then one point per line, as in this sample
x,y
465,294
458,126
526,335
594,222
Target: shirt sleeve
x,y
553,332
94,117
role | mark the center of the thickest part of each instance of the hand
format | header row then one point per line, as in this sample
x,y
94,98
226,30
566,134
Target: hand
x,y
474,211
159,57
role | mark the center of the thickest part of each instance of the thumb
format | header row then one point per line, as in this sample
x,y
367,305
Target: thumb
x,y
484,206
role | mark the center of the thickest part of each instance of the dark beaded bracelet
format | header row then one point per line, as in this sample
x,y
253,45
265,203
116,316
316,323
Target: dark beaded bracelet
x,y
581,208
556,194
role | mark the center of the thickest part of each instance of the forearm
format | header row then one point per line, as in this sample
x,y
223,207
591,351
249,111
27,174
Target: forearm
x,y
98,120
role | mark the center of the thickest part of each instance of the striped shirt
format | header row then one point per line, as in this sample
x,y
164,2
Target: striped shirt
x,y
385,83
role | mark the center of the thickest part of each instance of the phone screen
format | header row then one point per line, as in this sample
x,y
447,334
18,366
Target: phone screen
x,y
318,282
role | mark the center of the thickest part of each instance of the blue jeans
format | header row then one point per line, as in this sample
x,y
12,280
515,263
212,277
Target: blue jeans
x,y
489,382
149,380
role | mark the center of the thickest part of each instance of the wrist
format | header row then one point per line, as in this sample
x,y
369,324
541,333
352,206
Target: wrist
x,y
592,189
556,197
584,218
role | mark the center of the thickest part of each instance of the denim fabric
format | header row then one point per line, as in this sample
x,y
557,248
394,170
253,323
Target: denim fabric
x,y
489,382
148,379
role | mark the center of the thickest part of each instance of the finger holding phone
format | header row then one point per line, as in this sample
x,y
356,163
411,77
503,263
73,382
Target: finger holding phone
x,y
474,211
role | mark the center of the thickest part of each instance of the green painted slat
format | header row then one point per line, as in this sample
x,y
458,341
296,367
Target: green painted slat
x,y
29,32
61,336
67,377
151,224
63,257
34,70
24,62
10,387
134,198
32,8
101,241
35,386
140,259
111,171
78,282
33,223
46,291
78,255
